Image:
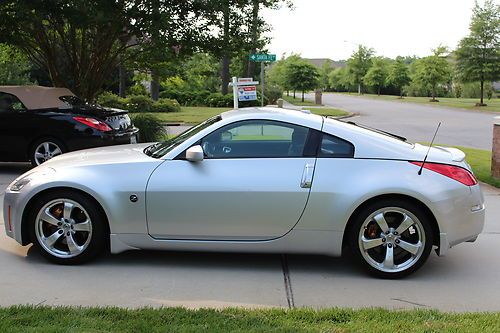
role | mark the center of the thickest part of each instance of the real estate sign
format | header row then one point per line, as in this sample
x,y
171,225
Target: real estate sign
x,y
248,93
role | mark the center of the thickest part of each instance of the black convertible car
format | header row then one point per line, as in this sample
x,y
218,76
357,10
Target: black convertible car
x,y
38,123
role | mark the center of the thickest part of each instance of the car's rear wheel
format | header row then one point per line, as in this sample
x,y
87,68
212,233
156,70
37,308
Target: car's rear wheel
x,y
67,227
391,238
45,149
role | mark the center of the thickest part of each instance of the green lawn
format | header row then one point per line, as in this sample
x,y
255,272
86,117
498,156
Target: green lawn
x,y
72,319
195,115
464,103
298,101
190,114
327,111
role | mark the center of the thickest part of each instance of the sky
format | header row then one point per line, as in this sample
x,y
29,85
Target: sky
x,y
333,28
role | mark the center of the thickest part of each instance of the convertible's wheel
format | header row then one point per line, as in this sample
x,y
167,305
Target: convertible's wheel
x,y
391,238
68,228
45,149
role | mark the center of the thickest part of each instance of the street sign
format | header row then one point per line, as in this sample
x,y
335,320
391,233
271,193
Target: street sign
x,y
248,93
262,57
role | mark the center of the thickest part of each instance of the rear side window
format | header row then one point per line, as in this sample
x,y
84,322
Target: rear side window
x,y
10,102
332,147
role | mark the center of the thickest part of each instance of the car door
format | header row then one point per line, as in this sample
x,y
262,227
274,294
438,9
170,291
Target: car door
x,y
253,184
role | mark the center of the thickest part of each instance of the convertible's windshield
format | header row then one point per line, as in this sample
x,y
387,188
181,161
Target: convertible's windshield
x,y
159,149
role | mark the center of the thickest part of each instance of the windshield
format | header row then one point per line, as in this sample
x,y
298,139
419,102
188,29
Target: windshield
x,y
159,149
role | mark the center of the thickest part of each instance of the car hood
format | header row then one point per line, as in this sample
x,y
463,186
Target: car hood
x,y
103,155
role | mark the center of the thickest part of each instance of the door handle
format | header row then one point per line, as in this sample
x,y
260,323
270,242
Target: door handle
x,y
307,176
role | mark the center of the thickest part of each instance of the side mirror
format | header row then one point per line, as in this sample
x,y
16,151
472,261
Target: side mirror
x,y
194,154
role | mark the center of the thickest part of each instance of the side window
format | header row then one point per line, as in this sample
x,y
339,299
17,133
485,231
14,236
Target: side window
x,y
332,146
256,139
10,102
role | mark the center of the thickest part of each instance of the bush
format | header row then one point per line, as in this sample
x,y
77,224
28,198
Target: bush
x,y
111,100
150,128
166,105
273,93
139,103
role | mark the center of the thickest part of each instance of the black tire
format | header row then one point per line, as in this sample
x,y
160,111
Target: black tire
x,y
99,236
360,254
52,141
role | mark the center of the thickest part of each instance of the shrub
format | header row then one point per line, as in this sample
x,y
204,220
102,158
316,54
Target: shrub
x,y
273,93
150,128
139,103
166,105
111,100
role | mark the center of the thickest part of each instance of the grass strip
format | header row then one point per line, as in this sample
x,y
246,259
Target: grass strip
x,y
76,319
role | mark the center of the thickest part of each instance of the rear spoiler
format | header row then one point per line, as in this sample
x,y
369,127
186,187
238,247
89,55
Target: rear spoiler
x,y
456,154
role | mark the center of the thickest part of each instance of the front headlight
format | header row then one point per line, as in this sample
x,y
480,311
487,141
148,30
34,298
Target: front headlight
x,y
18,184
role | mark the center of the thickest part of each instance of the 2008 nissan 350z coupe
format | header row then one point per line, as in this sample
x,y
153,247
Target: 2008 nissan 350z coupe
x,y
253,180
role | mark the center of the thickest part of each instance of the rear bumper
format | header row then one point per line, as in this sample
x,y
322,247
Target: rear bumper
x,y
100,139
460,219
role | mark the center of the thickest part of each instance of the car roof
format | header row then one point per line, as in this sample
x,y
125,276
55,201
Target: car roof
x,y
300,117
38,97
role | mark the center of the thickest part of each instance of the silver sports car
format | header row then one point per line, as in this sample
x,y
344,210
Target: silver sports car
x,y
253,180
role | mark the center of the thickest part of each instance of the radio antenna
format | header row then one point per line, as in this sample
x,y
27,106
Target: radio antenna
x,y
428,150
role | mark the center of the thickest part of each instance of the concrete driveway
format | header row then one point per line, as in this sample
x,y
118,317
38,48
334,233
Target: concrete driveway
x,y
418,122
468,279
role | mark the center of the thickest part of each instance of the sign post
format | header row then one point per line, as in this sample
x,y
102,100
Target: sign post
x,y
262,58
244,89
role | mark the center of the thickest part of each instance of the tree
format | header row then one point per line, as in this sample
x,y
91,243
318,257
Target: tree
x,y
358,65
433,70
324,73
377,74
302,76
14,66
277,75
340,79
80,43
399,75
478,54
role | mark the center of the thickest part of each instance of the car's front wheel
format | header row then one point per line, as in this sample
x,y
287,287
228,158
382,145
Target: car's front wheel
x,y
391,238
67,227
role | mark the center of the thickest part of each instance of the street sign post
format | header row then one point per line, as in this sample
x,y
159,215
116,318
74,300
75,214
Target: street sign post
x,y
262,58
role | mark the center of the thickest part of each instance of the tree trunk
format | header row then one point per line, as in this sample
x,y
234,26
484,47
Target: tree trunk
x,y
359,88
122,73
294,94
225,50
302,96
225,74
482,91
433,94
378,91
288,92
255,36
401,92
155,85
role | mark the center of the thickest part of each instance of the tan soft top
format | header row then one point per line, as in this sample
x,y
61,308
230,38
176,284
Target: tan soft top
x,y
37,97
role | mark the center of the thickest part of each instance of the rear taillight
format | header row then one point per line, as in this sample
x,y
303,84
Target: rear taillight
x,y
94,123
454,172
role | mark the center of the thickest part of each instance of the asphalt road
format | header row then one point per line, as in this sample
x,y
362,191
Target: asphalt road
x,y
468,279
418,122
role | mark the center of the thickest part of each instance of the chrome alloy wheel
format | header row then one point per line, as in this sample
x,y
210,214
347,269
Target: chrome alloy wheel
x,y
45,151
391,239
63,228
